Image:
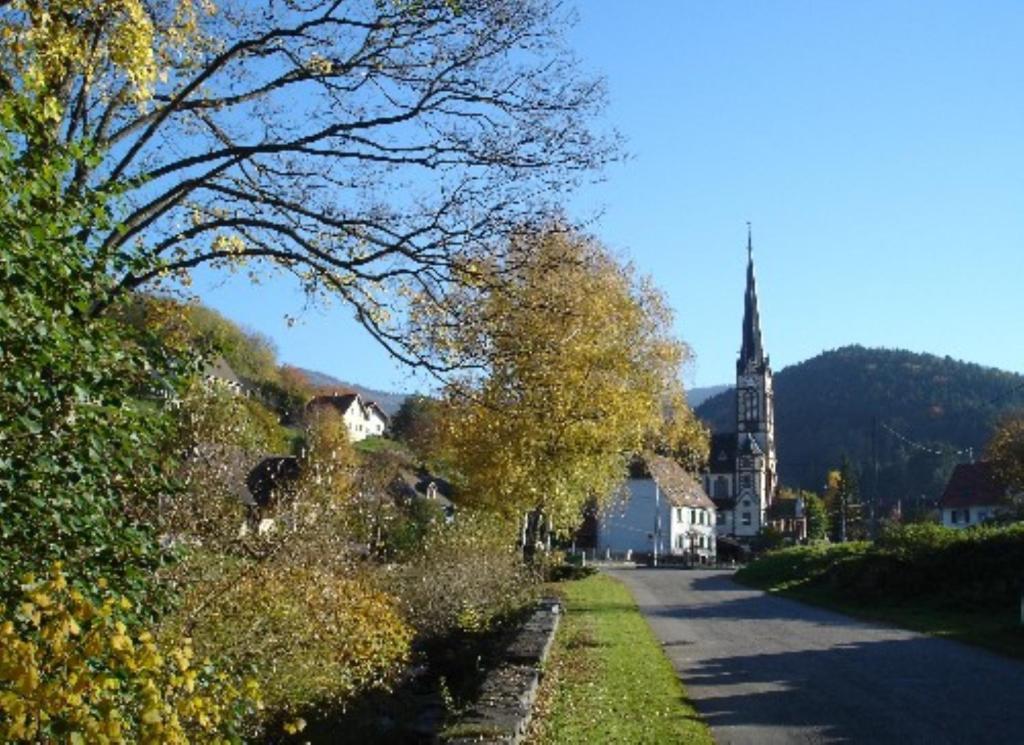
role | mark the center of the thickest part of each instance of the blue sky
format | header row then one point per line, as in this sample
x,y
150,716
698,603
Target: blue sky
x,y
877,148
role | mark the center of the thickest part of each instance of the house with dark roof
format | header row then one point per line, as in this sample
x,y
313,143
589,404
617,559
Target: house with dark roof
x,y
418,483
271,481
973,495
789,517
362,418
662,510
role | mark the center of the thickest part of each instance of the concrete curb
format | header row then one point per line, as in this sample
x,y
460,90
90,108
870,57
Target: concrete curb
x,y
503,711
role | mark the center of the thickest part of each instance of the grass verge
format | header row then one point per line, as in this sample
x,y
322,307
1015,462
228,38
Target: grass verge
x,y
607,679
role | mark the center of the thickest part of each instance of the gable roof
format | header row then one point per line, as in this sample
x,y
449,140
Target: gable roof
x,y
750,446
679,487
973,485
785,509
270,474
722,458
340,401
374,406
416,483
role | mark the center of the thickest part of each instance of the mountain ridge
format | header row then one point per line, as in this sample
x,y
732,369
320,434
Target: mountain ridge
x,y
917,413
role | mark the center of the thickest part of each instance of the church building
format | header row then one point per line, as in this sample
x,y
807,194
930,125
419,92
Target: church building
x,y
741,477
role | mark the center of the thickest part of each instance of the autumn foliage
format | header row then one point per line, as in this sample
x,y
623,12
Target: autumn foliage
x,y
72,670
579,371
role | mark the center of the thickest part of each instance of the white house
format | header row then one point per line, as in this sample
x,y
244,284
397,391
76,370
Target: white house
x,y
362,419
972,496
665,512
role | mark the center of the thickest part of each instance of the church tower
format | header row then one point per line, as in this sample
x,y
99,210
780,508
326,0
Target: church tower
x,y
755,418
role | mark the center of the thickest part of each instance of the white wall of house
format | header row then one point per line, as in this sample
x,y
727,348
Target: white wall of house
x,y
363,421
375,423
745,521
355,422
628,524
964,517
693,532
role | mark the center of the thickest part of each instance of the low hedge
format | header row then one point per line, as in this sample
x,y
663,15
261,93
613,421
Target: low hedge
x,y
981,566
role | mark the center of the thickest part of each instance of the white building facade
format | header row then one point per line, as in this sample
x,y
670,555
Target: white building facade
x,y
362,419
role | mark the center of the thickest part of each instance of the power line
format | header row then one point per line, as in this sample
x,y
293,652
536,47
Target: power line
x,y
925,448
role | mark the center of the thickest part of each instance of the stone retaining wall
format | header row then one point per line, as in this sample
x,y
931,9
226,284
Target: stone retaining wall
x,y
502,713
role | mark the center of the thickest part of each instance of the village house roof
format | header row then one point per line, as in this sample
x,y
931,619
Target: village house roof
x,y
784,509
679,487
973,485
342,402
750,446
220,371
376,407
419,483
269,475
722,458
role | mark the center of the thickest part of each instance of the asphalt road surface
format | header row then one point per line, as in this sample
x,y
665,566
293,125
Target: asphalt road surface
x,y
764,670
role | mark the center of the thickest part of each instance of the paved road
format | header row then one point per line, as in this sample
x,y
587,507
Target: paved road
x,y
764,670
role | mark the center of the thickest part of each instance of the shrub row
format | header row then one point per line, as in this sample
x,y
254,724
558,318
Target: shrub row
x,y
981,566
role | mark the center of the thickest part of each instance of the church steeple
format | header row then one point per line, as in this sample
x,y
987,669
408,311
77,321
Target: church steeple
x,y
751,353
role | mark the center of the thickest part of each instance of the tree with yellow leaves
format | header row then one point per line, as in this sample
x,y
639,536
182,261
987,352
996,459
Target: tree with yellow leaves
x,y
578,368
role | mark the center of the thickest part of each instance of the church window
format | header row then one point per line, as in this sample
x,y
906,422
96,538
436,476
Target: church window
x,y
750,407
747,481
745,518
721,487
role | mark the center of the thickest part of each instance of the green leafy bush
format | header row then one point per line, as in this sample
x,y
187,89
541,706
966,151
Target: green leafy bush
x,y
83,413
981,566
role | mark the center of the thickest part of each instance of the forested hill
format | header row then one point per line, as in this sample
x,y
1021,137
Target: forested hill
x,y
826,406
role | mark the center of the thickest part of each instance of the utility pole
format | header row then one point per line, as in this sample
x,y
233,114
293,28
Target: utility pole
x,y
874,485
657,520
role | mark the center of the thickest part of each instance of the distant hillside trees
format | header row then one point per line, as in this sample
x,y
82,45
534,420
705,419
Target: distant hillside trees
x,y
919,414
417,424
1006,449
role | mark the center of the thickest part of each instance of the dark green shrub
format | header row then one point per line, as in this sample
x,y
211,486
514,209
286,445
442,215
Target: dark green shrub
x,y
83,414
982,566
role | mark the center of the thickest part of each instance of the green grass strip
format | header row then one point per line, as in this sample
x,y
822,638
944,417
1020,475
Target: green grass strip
x,y
607,679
